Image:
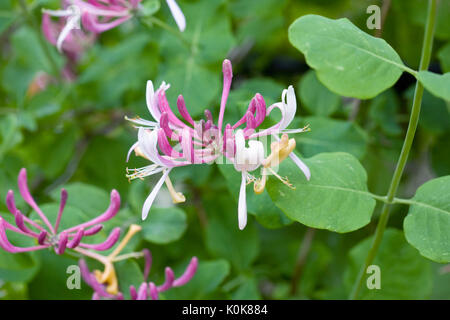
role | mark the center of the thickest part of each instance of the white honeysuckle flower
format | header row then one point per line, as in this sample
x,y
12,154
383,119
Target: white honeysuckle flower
x,y
171,141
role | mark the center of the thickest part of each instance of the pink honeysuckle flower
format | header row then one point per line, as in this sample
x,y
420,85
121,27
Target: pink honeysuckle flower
x,y
169,142
69,40
147,290
47,235
98,16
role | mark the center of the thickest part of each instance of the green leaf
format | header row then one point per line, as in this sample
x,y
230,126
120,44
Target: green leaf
x,y
428,221
223,237
404,274
13,291
316,98
439,159
347,60
209,275
51,281
248,290
197,84
88,198
329,135
164,225
7,15
444,57
208,35
335,198
10,133
437,84
383,111
435,114
149,7
19,266
114,57
128,273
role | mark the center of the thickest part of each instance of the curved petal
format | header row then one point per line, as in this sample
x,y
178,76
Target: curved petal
x,y
151,101
149,201
242,206
107,244
168,283
153,291
26,195
177,14
112,210
7,246
188,274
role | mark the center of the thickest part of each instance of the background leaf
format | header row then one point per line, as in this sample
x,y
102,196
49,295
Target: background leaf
x,y
347,60
428,221
335,198
404,273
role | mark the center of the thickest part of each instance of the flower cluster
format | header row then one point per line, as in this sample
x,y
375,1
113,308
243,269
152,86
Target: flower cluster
x,y
104,283
105,286
169,142
96,16
48,235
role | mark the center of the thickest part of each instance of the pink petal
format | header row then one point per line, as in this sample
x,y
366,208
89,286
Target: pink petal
x,y
188,274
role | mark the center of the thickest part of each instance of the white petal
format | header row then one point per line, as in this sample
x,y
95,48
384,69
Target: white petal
x,y
149,201
58,13
71,24
177,14
255,154
142,122
239,158
242,206
148,144
151,101
131,149
290,107
301,165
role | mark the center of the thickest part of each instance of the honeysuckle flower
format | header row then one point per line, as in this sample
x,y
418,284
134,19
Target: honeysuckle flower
x,y
169,142
72,42
146,290
48,235
97,16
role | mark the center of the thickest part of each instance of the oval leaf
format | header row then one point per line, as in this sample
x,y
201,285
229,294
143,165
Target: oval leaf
x,y
164,225
404,274
437,84
335,198
330,135
427,224
316,97
347,60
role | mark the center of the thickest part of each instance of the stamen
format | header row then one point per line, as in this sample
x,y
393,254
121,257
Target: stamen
x,y
284,180
260,183
280,151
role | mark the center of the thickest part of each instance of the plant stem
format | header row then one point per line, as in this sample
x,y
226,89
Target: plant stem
x,y
412,126
153,20
302,256
32,23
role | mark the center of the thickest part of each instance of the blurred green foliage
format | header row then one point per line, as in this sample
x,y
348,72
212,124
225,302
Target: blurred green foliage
x,y
73,134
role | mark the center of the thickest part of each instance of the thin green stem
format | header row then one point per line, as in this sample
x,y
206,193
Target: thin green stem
x,y
150,21
35,27
412,126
